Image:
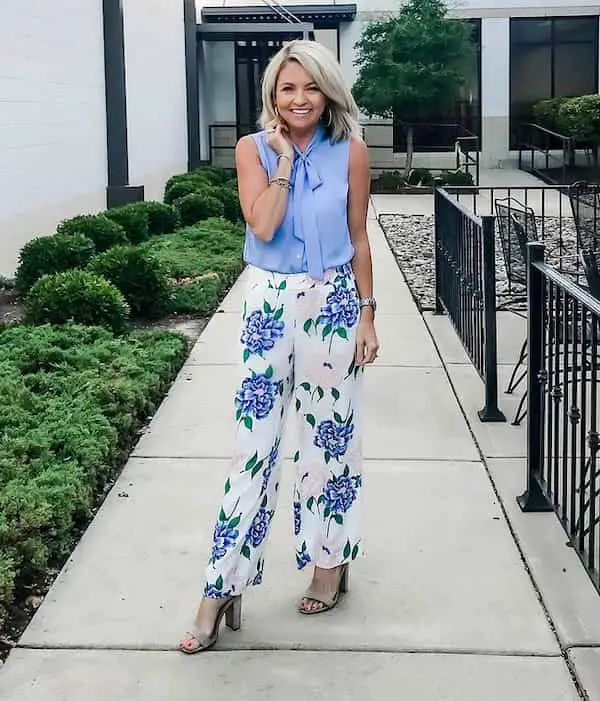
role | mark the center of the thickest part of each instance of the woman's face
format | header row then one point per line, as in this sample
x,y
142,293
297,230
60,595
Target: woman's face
x,y
298,98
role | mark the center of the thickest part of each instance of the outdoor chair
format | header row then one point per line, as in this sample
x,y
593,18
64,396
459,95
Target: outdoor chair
x,y
516,227
585,205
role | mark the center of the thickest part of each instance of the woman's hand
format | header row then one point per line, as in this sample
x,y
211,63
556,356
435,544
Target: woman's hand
x,y
278,141
367,344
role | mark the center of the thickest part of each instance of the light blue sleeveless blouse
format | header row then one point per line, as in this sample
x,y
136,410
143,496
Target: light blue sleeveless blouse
x,y
314,234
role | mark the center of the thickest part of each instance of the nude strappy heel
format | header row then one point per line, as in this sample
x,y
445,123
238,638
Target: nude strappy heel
x,y
328,603
232,610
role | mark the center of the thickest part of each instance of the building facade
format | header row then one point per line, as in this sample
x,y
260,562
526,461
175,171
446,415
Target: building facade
x,y
121,94
527,50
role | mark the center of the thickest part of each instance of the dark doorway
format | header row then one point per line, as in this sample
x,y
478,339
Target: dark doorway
x,y
251,59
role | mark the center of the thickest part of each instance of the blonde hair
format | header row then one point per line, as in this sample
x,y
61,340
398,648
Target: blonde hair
x,y
325,70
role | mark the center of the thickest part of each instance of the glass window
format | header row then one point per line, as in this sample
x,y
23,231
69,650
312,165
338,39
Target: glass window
x,y
531,31
550,57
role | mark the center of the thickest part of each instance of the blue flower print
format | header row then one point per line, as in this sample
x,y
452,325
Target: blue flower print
x,y
302,557
215,591
340,493
297,517
261,332
341,309
333,437
259,527
256,396
224,537
269,468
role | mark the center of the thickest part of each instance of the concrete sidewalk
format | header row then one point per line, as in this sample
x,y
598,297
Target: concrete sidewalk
x,y
441,607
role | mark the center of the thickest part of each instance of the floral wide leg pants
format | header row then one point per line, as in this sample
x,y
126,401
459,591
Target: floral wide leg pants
x,y
298,344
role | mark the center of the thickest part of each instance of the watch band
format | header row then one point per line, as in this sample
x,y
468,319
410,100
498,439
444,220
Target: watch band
x,y
367,302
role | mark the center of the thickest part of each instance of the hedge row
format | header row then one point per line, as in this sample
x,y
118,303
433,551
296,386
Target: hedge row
x,y
73,399
576,117
105,268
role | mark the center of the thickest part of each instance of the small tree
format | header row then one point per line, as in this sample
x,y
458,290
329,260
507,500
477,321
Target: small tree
x,y
412,65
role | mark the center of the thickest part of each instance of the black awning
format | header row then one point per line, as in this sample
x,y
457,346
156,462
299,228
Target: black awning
x,y
321,16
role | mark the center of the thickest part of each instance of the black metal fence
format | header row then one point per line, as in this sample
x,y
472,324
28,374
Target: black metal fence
x,y
466,288
562,421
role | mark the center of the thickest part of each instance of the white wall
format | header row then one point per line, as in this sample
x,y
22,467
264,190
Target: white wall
x,y
156,92
52,117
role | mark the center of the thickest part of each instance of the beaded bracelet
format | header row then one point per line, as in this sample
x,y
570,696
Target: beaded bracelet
x,y
283,183
284,155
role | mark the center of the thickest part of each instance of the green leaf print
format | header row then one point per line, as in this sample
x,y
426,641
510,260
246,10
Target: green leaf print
x,y
238,414
257,468
297,456
341,332
234,522
282,285
326,512
246,354
246,551
338,518
268,309
264,502
298,404
338,417
355,552
335,394
310,419
327,457
269,372
248,422
305,386
327,330
227,486
346,471
278,314
347,550
320,392
222,516
252,462
307,325
310,503
219,583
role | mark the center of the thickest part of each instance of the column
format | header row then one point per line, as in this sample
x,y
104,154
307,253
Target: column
x,y
495,90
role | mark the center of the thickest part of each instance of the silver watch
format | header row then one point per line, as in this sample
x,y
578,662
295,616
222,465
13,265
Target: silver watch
x,y
367,302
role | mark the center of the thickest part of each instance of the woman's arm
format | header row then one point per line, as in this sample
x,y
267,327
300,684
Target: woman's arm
x,y
263,204
359,180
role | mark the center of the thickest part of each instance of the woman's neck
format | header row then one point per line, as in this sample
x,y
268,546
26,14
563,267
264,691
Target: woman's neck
x,y
301,139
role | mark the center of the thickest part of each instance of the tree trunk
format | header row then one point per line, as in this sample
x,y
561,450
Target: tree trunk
x,y
410,149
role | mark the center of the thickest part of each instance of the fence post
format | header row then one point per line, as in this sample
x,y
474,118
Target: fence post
x,y
437,214
533,498
490,411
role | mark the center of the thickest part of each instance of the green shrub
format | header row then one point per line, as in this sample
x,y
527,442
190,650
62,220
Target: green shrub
x,y
230,200
180,188
162,218
202,262
74,398
389,182
51,254
133,219
547,113
455,177
77,296
138,275
580,117
104,232
420,177
198,206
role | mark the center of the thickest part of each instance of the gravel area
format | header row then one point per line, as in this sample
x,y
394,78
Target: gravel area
x,y
411,238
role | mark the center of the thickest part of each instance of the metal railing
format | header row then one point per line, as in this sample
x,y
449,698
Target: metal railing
x,y
465,288
532,139
563,435
465,146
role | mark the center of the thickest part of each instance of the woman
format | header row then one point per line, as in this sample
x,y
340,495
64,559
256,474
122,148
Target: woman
x,y
308,331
